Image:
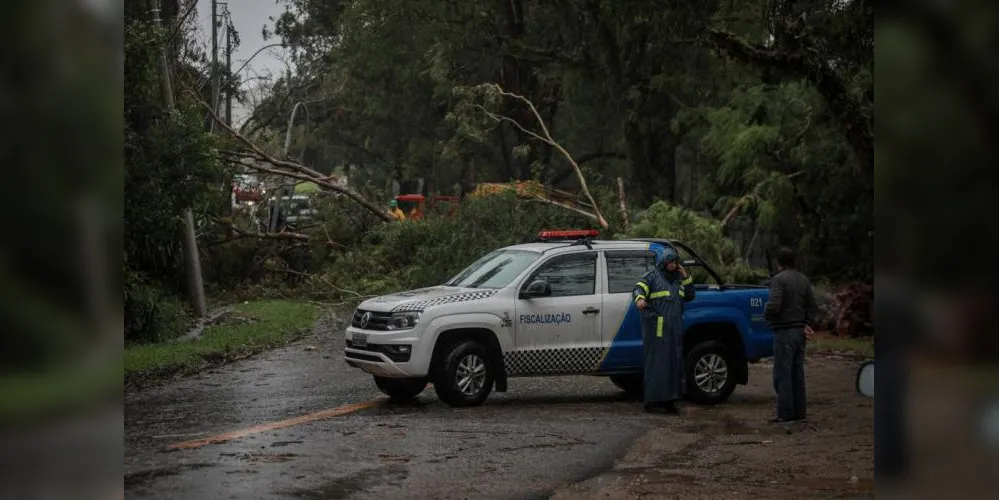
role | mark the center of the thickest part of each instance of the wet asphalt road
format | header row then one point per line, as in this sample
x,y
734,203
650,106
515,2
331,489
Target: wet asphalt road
x,y
542,434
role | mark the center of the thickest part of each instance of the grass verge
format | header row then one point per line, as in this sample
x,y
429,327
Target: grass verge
x,y
254,327
826,344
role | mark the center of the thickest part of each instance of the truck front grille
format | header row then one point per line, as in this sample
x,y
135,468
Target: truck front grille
x,y
377,320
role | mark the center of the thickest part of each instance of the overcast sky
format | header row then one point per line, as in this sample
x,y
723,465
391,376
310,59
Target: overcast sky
x,y
249,17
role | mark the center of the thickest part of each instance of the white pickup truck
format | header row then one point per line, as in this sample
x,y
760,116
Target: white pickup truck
x,y
558,306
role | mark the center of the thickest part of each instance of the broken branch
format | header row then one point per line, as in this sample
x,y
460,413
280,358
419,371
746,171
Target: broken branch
x,y
548,139
242,233
752,194
294,169
563,205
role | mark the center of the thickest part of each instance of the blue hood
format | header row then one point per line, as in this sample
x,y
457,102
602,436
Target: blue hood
x,y
660,252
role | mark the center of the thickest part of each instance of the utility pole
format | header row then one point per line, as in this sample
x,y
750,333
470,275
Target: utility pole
x,y
215,59
274,222
228,94
192,260
166,87
228,68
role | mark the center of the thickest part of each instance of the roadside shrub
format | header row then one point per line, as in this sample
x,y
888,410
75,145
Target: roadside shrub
x,y
152,314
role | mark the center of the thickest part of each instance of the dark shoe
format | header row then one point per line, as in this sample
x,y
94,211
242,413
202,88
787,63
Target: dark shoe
x,y
662,407
780,420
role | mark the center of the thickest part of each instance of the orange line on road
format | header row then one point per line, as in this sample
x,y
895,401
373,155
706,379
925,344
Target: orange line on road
x,y
280,424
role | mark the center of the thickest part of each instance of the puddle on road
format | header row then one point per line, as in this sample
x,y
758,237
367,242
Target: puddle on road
x,y
278,444
139,478
262,457
344,487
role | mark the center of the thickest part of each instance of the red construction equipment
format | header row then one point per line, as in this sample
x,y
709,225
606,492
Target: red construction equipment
x,y
415,205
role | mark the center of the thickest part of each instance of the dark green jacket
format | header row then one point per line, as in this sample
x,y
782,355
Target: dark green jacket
x,y
792,302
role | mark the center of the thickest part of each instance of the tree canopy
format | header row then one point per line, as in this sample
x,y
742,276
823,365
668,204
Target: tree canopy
x,y
761,109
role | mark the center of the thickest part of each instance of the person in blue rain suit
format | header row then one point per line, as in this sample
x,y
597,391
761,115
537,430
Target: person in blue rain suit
x,y
661,295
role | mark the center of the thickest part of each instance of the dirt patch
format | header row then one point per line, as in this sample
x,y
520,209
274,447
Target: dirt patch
x,y
732,451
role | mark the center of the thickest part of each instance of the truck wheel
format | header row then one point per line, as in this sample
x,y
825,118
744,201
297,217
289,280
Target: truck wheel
x,y
401,389
710,373
632,383
465,375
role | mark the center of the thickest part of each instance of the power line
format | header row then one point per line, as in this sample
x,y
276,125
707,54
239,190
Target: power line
x,y
180,22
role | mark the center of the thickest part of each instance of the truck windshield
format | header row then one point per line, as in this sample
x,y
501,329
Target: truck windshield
x,y
495,270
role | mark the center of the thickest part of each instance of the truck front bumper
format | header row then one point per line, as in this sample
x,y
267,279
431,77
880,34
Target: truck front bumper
x,y
378,357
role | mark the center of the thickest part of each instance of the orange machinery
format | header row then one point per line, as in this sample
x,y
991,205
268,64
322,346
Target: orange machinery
x,y
415,205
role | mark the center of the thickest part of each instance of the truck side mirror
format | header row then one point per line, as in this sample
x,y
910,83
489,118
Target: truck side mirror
x,y
537,288
865,379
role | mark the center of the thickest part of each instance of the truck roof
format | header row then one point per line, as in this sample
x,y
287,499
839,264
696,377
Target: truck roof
x,y
568,246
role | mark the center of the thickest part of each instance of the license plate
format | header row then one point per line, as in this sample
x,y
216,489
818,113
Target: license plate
x,y
360,340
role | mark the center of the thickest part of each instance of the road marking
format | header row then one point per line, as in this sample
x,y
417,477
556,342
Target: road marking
x,y
280,424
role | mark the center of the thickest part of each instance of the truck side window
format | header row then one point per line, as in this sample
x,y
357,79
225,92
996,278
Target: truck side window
x,y
569,275
624,269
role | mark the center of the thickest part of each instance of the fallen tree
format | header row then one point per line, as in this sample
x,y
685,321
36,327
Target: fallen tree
x,y
251,157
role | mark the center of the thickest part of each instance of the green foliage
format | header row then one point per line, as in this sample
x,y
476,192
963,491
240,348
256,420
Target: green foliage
x,y
781,161
414,254
636,89
170,165
703,234
151,314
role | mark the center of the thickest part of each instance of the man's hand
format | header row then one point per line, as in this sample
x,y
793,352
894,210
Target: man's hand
x,y
809,333
683,272
641,304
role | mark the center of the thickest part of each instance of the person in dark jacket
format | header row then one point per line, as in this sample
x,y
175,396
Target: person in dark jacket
x,y
661,295
790,312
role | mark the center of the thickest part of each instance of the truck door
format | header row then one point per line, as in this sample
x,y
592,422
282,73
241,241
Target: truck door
x,y
621,319
559,333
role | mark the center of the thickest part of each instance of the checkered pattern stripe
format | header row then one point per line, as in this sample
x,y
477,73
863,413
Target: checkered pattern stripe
x,y
423,305
553,361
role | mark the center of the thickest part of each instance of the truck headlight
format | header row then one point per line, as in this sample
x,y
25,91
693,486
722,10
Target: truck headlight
x,y
403,320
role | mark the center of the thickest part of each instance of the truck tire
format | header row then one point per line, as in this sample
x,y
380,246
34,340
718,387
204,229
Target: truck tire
x,y
401,390
631,383
464,376
710,369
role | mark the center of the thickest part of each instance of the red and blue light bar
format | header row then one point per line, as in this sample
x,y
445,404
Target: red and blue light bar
x,y
569,234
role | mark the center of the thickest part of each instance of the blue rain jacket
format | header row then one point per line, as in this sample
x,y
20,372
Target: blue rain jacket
x,y
662,330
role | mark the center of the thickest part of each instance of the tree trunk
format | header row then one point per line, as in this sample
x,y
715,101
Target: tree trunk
x,y
653,164
641,169
623,201
667,177
508,162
